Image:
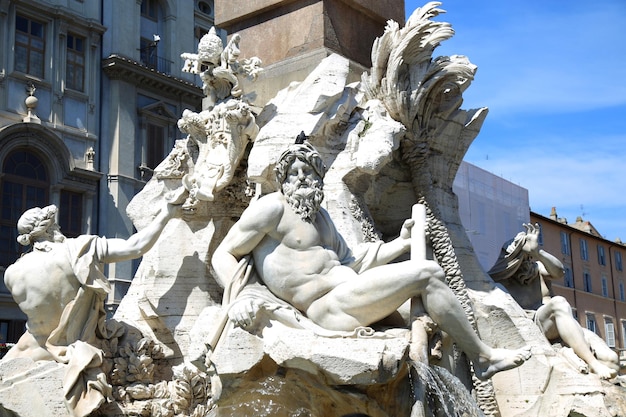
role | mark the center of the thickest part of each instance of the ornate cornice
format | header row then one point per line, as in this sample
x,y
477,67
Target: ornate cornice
x,y
118,67
60,12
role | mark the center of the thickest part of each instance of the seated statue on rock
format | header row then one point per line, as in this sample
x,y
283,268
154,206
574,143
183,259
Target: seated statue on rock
x,y
61,288
527,271
301,258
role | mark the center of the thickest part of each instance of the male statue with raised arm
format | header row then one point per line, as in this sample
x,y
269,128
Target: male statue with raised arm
x,y
302,259
527,271
61,288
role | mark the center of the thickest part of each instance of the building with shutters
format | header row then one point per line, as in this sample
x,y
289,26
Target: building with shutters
x,y
594,282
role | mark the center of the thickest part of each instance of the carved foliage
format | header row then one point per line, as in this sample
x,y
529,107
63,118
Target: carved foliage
x,y
136,392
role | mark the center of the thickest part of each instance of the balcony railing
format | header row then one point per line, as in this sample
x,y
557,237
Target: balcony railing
x,y
150,59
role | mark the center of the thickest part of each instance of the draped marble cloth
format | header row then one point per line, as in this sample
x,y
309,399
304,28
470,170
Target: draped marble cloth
x,y
75,340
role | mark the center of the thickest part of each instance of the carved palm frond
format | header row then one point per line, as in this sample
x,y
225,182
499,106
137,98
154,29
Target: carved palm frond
x,y
417,90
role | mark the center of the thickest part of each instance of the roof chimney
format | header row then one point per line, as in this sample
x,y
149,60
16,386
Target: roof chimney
x,y
553,214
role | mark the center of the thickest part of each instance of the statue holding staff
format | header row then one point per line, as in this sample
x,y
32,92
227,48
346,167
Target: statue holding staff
x,y
302,259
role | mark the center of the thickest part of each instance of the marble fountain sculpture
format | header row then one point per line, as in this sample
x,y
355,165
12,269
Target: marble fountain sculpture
x,y
222,318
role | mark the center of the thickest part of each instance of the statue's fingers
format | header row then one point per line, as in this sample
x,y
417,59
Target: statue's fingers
x,y
238,316
250,310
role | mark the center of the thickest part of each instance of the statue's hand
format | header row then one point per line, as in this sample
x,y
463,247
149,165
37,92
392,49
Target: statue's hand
x,y
531,244
243,312
173,210
405,232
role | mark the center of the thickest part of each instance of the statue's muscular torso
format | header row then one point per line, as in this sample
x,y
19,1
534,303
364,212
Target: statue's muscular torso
x,y
42,284
295,259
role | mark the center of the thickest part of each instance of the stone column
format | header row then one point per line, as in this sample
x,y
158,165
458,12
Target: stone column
x,y
292,37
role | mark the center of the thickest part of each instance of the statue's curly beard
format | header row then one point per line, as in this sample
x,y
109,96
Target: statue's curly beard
x,y
304,197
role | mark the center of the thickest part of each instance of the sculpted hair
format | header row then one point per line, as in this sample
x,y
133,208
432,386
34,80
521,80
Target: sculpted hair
x,y
34,222
515,263
306,153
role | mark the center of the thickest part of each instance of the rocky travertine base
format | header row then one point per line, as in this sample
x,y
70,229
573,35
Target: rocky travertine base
x,y
30,388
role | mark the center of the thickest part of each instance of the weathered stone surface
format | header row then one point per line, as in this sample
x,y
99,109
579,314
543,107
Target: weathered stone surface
x,y
340,360
303,107
32,389
345,26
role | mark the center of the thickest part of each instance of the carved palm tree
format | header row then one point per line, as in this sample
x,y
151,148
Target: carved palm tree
x,y
425,95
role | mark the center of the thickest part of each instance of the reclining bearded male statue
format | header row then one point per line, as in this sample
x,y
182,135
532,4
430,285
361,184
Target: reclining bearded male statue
x,y
302,259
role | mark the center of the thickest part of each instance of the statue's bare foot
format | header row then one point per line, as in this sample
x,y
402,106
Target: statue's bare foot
x,y
500,360
602,370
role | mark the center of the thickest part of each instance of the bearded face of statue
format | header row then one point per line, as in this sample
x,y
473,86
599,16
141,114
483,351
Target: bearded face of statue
x,y
303,189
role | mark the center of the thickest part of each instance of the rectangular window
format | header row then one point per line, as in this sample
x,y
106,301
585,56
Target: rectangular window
x,y
4,331
623,332
11,330
540,237
568,279
622,293
601,257
29,46
75,67
609,330
605,287
71,213
149,9
17,194
584,251
155,152
591,322
587,281
564,243
618,261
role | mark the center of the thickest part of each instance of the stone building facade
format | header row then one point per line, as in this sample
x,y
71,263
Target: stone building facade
x,y
49,123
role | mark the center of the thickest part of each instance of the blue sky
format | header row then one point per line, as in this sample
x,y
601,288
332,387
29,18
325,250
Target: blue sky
x,y
553,75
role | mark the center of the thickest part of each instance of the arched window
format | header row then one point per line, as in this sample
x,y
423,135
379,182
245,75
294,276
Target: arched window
x,y
24,184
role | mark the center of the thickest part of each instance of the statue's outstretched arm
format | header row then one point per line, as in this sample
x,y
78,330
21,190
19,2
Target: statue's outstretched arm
x,y
400,245
549,266
139,243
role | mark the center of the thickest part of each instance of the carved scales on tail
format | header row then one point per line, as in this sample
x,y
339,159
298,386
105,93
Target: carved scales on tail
x,y
425,95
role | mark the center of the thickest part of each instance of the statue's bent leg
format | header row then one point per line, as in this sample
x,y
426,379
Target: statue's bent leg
x,y
363,299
